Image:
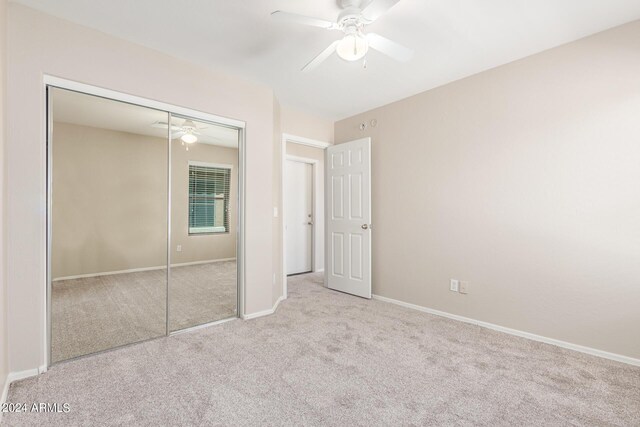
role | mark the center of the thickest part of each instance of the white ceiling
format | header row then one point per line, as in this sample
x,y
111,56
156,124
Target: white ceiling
x,y
80,109
452,39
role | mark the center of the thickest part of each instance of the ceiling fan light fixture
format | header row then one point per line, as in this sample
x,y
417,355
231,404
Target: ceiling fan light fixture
x,y
189,138
352,47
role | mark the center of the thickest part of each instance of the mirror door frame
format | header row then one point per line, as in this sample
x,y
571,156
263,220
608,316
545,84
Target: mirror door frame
x,y
170,109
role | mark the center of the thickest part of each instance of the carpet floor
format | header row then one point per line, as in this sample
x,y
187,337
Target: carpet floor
x,y
326,358
92,314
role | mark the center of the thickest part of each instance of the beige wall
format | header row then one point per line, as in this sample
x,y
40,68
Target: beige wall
x,y
3,300
306,125
100,174
298,150
522,180
39,44
100,180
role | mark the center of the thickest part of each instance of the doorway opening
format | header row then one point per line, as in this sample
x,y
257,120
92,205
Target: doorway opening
x,y
303,216
299,205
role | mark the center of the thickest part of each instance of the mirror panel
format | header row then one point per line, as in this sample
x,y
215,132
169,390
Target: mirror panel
x,y
108,252
204,197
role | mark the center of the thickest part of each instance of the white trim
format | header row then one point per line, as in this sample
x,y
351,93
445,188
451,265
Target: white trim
x,y
275,306
283,157
207,230
5,393
264,312
144,102
210,165
515,332
304,141
17,376
137,270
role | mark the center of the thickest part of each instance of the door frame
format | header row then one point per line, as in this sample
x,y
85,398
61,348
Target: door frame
x,y
58,82
287,138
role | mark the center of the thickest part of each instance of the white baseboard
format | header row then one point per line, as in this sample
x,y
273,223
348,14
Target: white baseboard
x,y
16,376
3,397
20,375
264,312
321,270
138,270
275,306
5,392
522,334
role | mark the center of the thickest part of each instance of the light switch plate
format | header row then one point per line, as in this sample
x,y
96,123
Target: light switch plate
x,y
453,286
275,212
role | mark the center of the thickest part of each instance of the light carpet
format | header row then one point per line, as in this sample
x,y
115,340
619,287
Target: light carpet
x,y
327,358
92,314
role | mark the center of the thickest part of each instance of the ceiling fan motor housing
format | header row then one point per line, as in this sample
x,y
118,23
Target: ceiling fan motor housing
x,y
351,17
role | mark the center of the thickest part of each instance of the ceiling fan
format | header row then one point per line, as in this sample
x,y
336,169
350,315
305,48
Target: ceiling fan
x,y
357,14
187,132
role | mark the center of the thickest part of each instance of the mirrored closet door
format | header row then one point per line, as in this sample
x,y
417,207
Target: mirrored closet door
x,y
204,199
142,223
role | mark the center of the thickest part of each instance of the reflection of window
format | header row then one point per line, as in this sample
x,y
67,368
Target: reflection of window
x,y
209,198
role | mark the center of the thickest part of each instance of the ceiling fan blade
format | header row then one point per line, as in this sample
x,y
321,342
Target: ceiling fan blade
x,y
177,135
321,57
301,19
389,48
373,9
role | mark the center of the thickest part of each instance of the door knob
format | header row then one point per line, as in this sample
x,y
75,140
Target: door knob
x,y
365,226
309,223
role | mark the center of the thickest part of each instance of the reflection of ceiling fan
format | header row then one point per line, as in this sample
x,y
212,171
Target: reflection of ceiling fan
x,y
357,14
188,132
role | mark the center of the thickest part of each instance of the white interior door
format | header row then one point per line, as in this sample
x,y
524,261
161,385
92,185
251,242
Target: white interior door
x,y
348,190
299,216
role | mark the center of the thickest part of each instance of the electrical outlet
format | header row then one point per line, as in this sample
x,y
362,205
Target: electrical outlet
x,y
179,248
453,286
464,287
